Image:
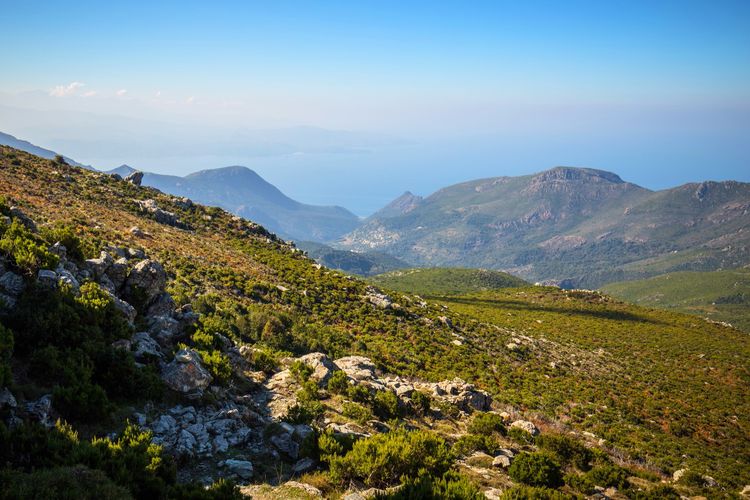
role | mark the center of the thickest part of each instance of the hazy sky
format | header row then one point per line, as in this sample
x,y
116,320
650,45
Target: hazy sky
x,y
353,102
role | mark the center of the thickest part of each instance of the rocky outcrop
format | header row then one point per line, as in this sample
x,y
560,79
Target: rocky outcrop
x,y
147,277
357,368
134,178
186,374
525,426
321,365
161,216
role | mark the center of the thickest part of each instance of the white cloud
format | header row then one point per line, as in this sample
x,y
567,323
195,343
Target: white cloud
x,y
66,90
121,92
158,94
190,100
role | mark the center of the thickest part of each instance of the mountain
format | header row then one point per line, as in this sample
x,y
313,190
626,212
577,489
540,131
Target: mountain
x,y
9,140
717,295
445,281
578,227
177,345
400,206
245,193
360,263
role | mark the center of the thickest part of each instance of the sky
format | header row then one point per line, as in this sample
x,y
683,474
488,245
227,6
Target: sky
x,y
352,103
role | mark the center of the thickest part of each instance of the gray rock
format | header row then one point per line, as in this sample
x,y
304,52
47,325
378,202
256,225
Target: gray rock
x,y
137,232
165,424
12,284
526,426
285,444
357,367
186,444
98,267
163,305
17,213
501,461
116,176
240,468
145,348
40,409
303,465
322,366
134,178
6,399
66,278
126,309
7,302
59,250
118,272
148,277
47,278
161,216
301,431
221,445
186,373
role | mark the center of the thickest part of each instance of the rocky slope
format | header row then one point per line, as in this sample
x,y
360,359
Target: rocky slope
x,y
571,226
243,359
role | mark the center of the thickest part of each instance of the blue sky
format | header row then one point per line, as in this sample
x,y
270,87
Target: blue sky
x,y
438,92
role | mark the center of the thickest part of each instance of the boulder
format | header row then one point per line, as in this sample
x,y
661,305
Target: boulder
x,y
126,309
526,426
186,373
145,348
321,365
118,272
59,250
40,410
501,461
47,278
357,367
134,178
7,401
159,215
98,267
147,277
304,465
285,444
163,305
12,284
66,278
240,468
17,213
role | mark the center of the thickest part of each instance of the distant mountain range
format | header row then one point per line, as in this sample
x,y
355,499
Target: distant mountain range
x,y
9,140
576,227
242,191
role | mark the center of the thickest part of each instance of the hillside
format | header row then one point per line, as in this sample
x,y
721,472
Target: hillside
x,y
572,226
240,358
245,193
360,263
445,281
717,295
13,142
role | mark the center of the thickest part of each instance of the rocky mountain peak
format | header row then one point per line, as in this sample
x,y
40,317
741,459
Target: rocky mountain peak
x,y
400,206
577,174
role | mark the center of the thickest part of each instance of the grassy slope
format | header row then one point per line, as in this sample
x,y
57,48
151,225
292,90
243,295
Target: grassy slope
x,y
655,384
718,295
445,281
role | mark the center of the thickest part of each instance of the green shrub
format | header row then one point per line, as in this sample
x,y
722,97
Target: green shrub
x,y
692,478
82,401
356,412
609,475
28,253
386,405
218,364
566,449
520,436
660,492
304,412
66,483
359,393
264,361
331,445
486,424
383,459
420,403
338,383
469,443
301,371
66,236
451,486
534,493
536,469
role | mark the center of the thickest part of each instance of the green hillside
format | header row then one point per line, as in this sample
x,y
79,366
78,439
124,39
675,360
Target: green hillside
x,y
217,341
445,281
578,227
717,295
359,263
